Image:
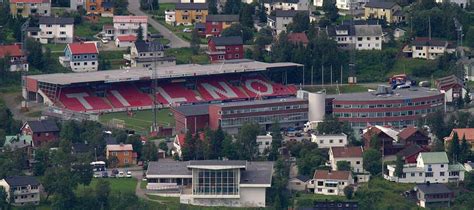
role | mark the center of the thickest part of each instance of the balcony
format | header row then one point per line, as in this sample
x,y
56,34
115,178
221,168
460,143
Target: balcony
x,y
26,191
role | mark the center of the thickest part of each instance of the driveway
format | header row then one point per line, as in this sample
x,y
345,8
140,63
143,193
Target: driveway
x,y
175,41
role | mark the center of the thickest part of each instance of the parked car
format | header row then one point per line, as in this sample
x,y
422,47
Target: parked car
x,y
155,36
121,174
187,30
105,174
104,40
129,174
114,173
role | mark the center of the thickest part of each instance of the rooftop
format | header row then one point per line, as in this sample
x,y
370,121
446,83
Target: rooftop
x,y
332,175
16,181
190,6
298,38
346,152
56,20
426,41
185,70
224,41
10,50
43,126
127,38
380,4
448,82
222,18
258,102
168,167
15,142
154,46
368,30
217,163
193,110
130,19
119,147
82,48
434,157
259,172
29,1
410,150
398,94
468,133
408,132
433,188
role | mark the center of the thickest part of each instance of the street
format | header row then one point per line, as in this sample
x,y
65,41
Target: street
x,y
175,41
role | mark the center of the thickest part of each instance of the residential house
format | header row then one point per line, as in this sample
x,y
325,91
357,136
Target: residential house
x,y
26,8
190,13
148,54
125,40
18,61
433,195
413,135
193,1
42,131
388,138
351,154
225,48
80,57
361,37
329,140
104,8
75,5
382,10
123,152
274,5
21,190
298,183
410,153
19,142
130,25
170,17
264,142
239,183
347,5
298,38
430,167
53,30
108,32
427,48
399,33
215,24
452,87
281,19
467,133
461,3
331,182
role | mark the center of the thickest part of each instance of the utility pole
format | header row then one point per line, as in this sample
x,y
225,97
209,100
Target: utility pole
x,y
24,72
331,75
312,68
352,65
155,46
322,76
429,28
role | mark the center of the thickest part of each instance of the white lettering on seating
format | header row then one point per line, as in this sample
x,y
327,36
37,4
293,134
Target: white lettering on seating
x,y
268,87
81,98
215,91
120,98
168,98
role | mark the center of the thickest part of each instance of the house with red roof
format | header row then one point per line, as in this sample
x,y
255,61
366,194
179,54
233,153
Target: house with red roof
x,y
467,133
125,40
353,155
130,25
452,87
80,57
413,135
26,8
331,182
297,38
179,142
17,60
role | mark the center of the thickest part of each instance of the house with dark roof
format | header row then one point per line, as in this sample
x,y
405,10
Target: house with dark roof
x,y
21,190
410,153
387,137
281,19
382,10
433,195
215,24
191,118
80,57
452,87
53,30
230,183
352,154
18,60
331,182
190,13
428,48
413,135
225,48
299,183
148,54
361,37
42,131
275,5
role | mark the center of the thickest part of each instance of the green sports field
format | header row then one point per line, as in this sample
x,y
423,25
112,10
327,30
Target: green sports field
x,y
141,120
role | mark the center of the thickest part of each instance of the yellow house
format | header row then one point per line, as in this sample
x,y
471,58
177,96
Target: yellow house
x,y
26,8
190,13
382,10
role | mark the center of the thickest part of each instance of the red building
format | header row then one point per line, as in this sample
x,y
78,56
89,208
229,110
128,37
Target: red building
x,y
18,60
225,48
42,131
410,153
215,24
191,118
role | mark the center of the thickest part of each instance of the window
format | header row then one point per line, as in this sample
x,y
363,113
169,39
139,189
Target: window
x,y
412,174
236,55
359,38
421,174
442,165
320,183
85,63
340,140
368,38
62,32
49,26
93,63
125,160
331,141
126,153
320,190
441,173
321,141
330,191
429,174
62,25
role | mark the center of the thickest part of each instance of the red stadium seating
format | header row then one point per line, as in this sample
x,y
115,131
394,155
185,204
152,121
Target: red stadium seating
x,y
259,85
81,99
212,90
128,96
175,93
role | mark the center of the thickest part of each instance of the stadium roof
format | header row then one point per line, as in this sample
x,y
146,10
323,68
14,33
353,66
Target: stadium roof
x,y
398,94
186,70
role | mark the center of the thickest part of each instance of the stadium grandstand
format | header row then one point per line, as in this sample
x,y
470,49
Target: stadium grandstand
x,y
132,89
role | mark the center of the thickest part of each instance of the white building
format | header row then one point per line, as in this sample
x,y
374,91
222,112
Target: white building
x,y
129,25
364,37
469,166
353,155
125,40
273,5
53,30
264,142
460,3
148,54
329,140
430,167
280,21
426,48
193,1
76,4
331,182
21,190
299,183
170,17
345,4
231,183
80,57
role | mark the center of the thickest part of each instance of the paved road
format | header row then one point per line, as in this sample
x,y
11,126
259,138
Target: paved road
x,y
176,42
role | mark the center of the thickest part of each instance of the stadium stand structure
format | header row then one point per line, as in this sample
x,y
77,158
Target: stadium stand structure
x,y
132,89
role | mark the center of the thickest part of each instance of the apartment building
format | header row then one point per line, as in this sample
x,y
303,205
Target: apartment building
x,y
104,8
80,57
190,13
273,5
281,19
362,37
129,25
123,152
329,140
53,30
428,48
18,61
21,190
225,48
382,10
148,54
331,182
26,8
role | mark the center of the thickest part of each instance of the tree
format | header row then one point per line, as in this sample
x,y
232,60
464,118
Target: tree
x,y
247,141
102,192
237,29
189,148
83,173
465,150
42,161
136,143
438,145
300,23
453,149
120,7
150,152
195,42
330,10
470,37
349,192
372,160
35,53
216,140
246,15
212,7
113,161
399,166
343,165
140,33
229,149
3,199
232,6
459,102
163,146
145,5
277,141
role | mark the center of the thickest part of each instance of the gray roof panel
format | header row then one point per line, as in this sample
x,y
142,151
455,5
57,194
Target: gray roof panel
x,y
222,18
193,110
168,167
21,181
190,6
56,20
433,188
230,40
257,173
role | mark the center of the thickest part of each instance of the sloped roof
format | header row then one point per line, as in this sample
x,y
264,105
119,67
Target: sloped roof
x,y
224,41
368,30
426,41
11,50
380,4
410,150
287,13
333,175
222,18
193,110
347,152
377,129
186,6
43,126
119,147
434,157
55,20
83,48
448,82
433,188
409,131
29,1
298,38
143,46
18,141
130,19
302,178
468,133
15,181
127,38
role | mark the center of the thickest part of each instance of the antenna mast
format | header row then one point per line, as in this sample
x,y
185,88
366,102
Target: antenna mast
x,y
352,66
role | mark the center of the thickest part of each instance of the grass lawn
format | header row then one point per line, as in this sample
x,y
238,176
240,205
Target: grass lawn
x,y
342,89
89,29
178,30
117,185
55,47
185,56
408,65
160,13
115,58
142,120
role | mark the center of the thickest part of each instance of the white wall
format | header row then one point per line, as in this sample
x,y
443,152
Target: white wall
x,y
83,66
369,43
327,141
316,106
56,35
358,168
252,196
